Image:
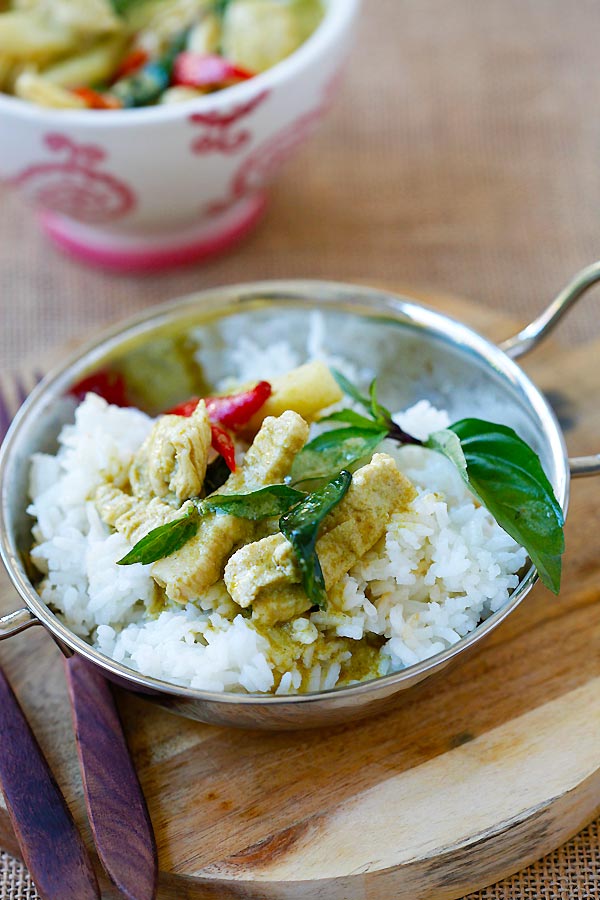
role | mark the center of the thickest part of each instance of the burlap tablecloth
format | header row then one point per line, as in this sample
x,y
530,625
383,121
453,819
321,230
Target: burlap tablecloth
x,y
463,156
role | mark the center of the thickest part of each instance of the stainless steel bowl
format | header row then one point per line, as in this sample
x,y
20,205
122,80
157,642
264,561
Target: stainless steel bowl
x,y
416,353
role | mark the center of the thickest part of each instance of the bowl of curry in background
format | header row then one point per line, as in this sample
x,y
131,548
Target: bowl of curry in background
x,y
143,188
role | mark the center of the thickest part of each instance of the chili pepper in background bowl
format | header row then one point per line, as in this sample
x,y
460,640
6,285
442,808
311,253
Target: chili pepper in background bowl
x,y
96,100
132,63
206,71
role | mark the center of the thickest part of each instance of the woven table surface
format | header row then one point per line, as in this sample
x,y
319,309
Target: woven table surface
x,y
463,156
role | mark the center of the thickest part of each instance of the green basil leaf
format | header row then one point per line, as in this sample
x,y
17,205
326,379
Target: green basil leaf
x,y
164,540
381,415
266,503
507,476
352,418
332,451
301,528
350,389
217,473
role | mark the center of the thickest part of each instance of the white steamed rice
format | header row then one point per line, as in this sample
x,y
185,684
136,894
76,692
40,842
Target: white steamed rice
x,y
439,570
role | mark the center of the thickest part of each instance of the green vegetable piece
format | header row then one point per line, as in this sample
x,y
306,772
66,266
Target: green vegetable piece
x,y
143,88
507,476
329,453
164,540
266,503
301,528
146,86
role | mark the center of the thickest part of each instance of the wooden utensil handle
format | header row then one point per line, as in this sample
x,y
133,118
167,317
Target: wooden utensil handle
x,y
115,803
49,840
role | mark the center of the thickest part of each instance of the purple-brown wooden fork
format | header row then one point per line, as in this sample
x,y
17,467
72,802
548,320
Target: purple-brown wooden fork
x,y
116,807
48,837
113,796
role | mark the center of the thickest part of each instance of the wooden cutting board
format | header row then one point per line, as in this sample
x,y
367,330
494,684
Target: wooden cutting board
x,y
476,774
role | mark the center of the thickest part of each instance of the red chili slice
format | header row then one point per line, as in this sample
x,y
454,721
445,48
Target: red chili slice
x,y
236,410
94,100
223,444
233,411
206,71
186,409
109,385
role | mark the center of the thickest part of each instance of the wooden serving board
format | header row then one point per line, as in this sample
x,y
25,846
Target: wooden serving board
x,y
476,774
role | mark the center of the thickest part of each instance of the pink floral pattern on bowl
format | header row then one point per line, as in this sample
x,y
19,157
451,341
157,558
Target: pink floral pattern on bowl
x,y
258,168
74,186
221,133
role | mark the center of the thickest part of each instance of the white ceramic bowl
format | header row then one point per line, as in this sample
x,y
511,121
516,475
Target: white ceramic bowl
x,y
152,187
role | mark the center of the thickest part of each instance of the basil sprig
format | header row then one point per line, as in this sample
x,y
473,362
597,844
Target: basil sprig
x,y
300,515
325,456
352,391
301,528
507,476
503,472
167,539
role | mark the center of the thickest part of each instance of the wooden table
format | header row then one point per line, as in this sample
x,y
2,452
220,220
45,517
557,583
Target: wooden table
x,y
462,157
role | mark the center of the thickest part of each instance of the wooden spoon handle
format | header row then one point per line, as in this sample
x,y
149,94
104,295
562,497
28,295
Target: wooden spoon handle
x,y
115,803
48,837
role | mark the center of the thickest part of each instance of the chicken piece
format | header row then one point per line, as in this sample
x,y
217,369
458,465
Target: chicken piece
x,y
378,490
307,390
267,563
173,458
188,572
131,516
280,605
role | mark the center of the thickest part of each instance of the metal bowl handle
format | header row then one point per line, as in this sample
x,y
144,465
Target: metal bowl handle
x,y
529,338
16,622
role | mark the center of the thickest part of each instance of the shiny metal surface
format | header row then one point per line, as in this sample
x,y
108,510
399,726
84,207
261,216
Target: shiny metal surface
x,y
415,352
529,338
584,466
16,622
